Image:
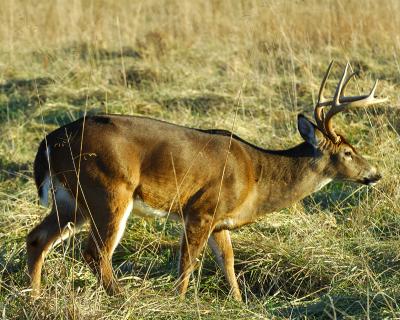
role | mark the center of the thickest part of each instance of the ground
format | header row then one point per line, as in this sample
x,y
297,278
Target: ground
x,y
246,66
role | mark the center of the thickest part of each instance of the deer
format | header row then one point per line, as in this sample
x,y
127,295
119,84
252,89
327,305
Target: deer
x,y
100,168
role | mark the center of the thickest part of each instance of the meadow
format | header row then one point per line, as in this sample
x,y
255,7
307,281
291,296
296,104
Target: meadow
x,y
334,255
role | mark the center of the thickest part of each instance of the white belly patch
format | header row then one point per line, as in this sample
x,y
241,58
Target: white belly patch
x,y
142,209
322,184
226,224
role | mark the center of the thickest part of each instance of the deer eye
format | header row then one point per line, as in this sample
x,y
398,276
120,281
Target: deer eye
x,y
348,154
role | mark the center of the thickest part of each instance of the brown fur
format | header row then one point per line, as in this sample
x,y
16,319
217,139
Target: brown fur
x,y
169,167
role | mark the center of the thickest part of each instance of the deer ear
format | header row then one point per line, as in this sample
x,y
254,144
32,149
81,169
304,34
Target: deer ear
x,y
308,130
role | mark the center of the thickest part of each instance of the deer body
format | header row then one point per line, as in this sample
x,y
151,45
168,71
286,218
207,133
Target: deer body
x,y
101,168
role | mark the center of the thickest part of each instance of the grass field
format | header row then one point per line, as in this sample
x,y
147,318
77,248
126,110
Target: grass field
x,y
333,255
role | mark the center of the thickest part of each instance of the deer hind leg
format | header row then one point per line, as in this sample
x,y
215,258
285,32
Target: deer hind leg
x,y
56,227
193,240
108,221
221,245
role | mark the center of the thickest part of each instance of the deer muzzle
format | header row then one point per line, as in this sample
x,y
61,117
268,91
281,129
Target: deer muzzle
x,y
372,178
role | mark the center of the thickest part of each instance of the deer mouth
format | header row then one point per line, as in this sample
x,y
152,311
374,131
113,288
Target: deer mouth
x,y
371,180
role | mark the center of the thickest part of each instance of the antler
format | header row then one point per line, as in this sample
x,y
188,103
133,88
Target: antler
x,y
340,102
322,101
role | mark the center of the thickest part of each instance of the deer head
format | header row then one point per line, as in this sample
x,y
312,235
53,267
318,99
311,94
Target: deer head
x,y
343,161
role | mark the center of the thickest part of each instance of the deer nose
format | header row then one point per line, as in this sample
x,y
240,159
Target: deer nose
x,y
377,176
372,178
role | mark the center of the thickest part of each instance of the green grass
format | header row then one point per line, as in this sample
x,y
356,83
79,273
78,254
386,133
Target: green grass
x,y
333,255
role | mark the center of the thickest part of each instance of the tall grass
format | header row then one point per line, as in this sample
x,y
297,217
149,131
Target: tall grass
x,y
334,255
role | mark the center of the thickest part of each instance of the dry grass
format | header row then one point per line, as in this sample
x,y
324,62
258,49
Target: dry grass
x,y
335,255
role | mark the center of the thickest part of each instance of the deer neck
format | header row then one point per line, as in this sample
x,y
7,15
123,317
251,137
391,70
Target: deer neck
x,y
286,176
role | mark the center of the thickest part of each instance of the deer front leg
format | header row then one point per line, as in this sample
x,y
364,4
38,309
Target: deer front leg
x,y
221,245
193,240
109,217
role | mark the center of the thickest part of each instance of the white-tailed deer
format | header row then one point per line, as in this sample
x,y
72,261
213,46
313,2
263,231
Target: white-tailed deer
x,y
100,168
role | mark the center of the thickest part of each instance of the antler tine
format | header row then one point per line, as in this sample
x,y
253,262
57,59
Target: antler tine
x,y
336,105
338,92
371,96
322,101
372,93
340,102
365,100
321,97
346,82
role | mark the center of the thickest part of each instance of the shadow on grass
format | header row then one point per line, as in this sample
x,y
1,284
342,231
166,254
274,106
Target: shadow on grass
x,y
151,258
60,118
88,51
375,306
334,194
20,96
25,84
10,170
199,103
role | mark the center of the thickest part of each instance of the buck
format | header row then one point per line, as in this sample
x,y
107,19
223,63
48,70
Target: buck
x,y
100,168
